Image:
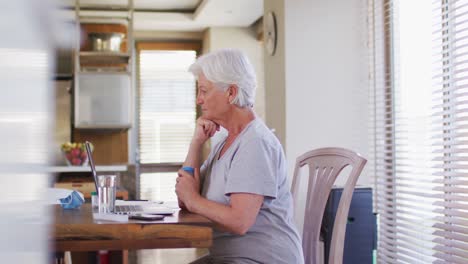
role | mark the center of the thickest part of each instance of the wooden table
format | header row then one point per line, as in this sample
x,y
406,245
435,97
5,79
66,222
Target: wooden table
x,y
75,230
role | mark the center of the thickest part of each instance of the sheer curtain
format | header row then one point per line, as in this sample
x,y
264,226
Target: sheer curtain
x,y
420,123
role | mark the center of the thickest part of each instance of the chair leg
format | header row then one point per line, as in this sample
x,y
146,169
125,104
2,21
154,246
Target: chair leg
x,y
67,258
59,258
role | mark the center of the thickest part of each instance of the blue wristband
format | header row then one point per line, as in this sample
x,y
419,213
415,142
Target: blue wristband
x,y
189,169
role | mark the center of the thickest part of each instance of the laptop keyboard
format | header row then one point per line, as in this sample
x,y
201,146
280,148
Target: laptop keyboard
x,y
127,209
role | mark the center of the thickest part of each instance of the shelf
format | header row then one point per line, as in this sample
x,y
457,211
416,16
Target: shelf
x,y
104,127
103,53
101,58
103,83
111,168
105,70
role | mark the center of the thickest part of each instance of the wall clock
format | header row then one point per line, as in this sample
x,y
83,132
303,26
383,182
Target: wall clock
x,y
271,33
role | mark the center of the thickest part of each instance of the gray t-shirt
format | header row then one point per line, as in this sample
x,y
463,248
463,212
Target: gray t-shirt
x,y
254,163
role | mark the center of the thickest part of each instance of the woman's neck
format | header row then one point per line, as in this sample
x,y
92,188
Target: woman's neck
x,y
237,120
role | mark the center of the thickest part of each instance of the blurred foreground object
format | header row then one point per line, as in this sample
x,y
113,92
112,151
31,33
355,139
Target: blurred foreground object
x,y
30,31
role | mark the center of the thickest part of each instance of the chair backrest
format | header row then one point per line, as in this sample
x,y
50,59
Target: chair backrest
x,y
325,165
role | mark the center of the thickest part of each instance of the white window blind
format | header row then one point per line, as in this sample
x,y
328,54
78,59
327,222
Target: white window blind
x,y
166,116
167,105
420,120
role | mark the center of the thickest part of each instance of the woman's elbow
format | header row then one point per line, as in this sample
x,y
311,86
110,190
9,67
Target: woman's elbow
x,y
241,229
239,232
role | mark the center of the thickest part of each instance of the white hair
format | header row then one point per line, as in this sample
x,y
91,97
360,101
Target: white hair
x,y
225,67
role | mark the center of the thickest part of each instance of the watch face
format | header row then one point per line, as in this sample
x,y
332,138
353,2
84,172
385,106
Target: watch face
x,y
270,31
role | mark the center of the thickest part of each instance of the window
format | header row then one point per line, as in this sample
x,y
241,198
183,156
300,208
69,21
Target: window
x,y
166,115
419,96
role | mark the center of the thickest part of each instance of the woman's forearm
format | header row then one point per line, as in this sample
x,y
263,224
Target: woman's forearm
x,y
236,218
194,154
223,215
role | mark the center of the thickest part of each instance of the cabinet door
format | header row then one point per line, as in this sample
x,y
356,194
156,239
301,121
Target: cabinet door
x,y
102,100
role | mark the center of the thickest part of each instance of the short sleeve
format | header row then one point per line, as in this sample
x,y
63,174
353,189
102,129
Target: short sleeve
x,y
254,169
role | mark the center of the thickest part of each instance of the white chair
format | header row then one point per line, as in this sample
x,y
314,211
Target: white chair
x,y
325,165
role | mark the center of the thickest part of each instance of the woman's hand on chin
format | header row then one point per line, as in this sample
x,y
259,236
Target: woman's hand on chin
x,y
205,129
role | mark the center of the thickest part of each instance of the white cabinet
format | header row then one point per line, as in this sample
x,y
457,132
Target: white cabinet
x,y
103,73
102,100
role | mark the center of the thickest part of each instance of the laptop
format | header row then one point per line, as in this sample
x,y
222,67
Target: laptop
x,y
129,207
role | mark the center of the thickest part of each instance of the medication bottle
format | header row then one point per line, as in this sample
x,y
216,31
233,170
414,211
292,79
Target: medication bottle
x,y
189,169
94,200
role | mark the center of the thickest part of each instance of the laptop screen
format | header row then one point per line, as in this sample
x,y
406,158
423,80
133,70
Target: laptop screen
x,y
91,163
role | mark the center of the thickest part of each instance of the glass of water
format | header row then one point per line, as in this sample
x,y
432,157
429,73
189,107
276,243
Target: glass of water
x,y
106,193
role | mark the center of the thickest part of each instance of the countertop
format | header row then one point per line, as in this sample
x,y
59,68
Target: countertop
x,y
108,168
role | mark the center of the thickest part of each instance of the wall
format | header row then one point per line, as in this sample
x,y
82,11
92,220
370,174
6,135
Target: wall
x,y
318,77
275,76
246,40
206,47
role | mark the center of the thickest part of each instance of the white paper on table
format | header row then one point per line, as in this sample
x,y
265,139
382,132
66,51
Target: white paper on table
x,y
149,207
110,217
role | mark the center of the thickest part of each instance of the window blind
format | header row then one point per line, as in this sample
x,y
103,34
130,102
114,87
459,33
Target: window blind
x,y
166,117
419,99
450,120
167,105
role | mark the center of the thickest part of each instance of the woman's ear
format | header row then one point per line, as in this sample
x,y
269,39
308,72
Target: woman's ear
x,y
232,93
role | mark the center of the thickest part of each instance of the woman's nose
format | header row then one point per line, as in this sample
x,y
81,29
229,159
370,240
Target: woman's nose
x,y
199,100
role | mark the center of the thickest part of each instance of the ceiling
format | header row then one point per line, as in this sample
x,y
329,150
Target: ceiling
x,y
175,15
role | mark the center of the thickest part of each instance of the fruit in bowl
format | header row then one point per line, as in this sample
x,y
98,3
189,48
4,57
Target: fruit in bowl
x,y
75,153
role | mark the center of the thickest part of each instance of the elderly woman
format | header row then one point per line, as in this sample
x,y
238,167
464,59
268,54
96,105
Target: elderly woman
x,y
244,181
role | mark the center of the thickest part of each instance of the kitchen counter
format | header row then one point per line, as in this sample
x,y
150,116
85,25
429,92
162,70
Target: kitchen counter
x,y
80,178
110,168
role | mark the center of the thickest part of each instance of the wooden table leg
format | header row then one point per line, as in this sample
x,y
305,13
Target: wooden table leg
x,y
59,258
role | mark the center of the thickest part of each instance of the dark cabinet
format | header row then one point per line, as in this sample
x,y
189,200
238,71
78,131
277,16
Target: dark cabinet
x,y
360,230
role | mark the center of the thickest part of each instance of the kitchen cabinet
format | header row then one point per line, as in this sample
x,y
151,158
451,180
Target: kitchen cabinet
x,y
84,182
103,70
102,100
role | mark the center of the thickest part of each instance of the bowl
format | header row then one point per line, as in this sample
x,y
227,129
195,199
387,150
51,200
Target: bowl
x,y
75,154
